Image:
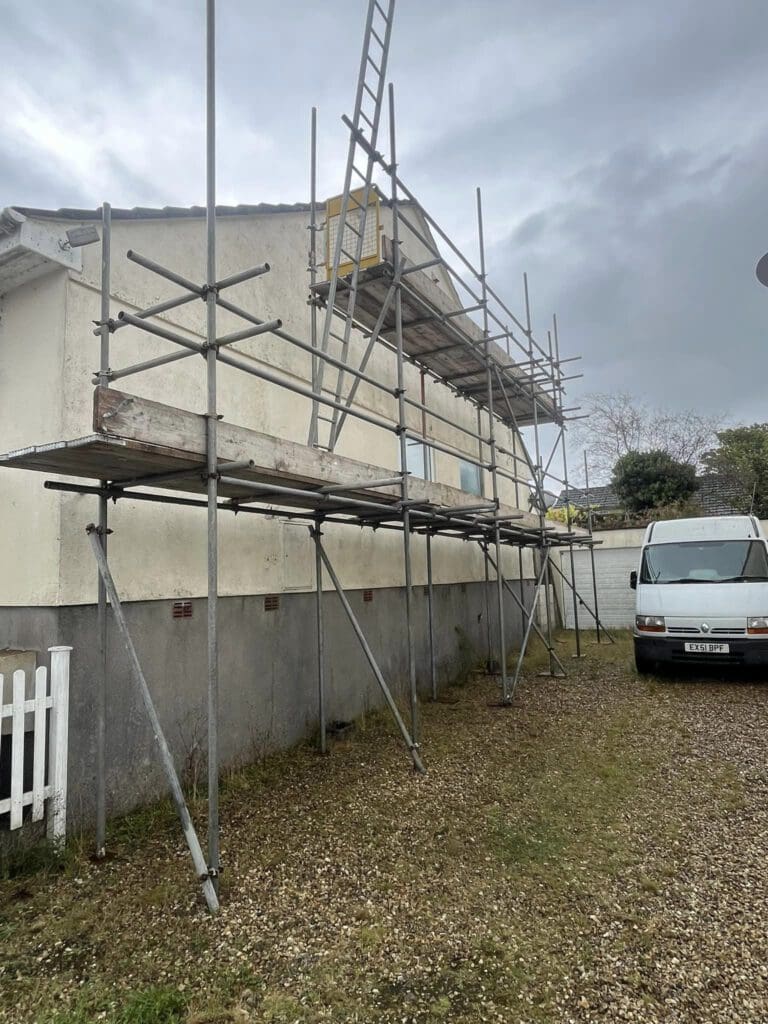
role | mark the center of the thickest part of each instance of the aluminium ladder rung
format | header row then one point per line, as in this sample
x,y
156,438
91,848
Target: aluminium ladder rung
x,y
373,64
371,93
349,226
380,9
377,37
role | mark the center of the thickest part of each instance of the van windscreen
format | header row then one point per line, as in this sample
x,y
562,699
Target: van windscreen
x,y
710,561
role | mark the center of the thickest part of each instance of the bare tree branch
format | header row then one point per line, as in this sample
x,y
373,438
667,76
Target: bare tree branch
x,y
620,423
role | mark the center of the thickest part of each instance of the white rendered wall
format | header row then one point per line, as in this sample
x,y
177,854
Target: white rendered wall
x,y
159,551
31,369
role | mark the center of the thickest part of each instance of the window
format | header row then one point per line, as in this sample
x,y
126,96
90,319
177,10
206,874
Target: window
x,y
469,476
705,562
418,458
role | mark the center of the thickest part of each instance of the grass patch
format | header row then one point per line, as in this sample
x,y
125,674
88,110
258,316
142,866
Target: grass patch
x,y
571,805
157,1005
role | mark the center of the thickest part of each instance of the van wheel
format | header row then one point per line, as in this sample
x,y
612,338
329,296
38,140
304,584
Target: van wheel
x,y
643,665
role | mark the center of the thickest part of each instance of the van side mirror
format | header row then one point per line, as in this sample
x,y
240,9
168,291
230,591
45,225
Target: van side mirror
x,y
633,580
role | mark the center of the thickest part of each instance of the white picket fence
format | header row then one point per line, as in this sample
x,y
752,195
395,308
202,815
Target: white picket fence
x,y
50,745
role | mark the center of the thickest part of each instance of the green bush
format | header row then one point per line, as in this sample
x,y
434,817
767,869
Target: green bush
x,y
651,480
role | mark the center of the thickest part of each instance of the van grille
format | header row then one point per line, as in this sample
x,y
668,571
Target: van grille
x,y
719,631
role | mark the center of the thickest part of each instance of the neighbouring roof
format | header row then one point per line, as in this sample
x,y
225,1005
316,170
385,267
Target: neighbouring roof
x,y
599,499
715,496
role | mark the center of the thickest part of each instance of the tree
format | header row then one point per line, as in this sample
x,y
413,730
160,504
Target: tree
x,y
645,480
741,461
619,423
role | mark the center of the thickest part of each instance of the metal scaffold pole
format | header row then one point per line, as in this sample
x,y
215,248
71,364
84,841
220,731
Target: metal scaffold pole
x,y
544,575
408,739
101,623
568,517
313,229
431,620
166,757
591,546
420,323
402,426
211,446
427,462
505,697
489,667
316,534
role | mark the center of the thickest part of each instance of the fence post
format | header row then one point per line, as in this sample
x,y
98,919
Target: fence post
x,y
57,758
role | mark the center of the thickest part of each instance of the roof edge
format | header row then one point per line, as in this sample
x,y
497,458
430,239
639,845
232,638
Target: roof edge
x,y
171,212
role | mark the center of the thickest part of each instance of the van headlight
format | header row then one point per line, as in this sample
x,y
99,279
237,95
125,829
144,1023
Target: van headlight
x,y
650,623
757,624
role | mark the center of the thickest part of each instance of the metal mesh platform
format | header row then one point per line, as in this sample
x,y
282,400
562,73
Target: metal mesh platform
x,y
439,338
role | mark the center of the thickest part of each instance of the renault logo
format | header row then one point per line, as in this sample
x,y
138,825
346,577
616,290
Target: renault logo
x,y
705,627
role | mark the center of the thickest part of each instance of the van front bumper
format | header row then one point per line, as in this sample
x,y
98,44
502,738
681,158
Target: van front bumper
x,y
668,650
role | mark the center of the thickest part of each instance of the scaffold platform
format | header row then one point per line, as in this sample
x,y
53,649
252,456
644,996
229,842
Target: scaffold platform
x,y
124,450
448,343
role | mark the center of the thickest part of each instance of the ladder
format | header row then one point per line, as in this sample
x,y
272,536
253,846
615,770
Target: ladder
x,y
353,219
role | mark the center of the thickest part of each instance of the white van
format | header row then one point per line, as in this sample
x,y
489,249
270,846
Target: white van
x,y
702,593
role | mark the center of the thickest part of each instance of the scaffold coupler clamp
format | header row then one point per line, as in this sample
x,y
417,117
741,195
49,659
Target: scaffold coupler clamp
x,y
100,531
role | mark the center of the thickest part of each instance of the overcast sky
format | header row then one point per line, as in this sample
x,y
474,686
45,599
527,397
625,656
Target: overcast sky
x,y
621,146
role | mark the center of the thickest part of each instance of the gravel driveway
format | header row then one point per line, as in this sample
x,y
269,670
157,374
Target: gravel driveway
x,y
596,853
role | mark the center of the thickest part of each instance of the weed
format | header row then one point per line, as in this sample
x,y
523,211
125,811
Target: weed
x,y
153,1006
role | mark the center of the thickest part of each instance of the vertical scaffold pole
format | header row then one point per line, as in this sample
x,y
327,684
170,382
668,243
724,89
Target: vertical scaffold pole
x,y
486,588
544,575
568,519
431,620
492,452
489,665
414,700
101,619
313,244
591,547
317,537
211,445
521,582
166,758
428,475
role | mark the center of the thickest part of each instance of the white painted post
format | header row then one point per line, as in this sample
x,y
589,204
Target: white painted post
x,y
57,758
38,761
2,716
17,749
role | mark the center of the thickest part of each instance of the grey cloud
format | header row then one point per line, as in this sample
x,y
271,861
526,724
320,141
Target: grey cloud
x,y
620,147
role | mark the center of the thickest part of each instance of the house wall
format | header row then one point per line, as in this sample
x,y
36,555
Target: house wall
x,y
32,330
48,353
268,675
159,551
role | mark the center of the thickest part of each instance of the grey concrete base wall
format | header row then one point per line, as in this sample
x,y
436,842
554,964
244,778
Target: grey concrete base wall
x,y
268,674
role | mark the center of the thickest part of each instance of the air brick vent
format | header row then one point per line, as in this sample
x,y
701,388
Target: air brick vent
x,y
367,596
271,602
182,610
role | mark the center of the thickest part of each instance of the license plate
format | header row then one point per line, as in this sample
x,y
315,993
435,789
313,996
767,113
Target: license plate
x,y
699,648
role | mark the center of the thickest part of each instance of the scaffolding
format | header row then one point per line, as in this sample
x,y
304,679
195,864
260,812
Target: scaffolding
x,y
463,336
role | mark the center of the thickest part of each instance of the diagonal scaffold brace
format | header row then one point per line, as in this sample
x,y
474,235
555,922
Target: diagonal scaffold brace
x,y
520,604
410,742
201,868
577,596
